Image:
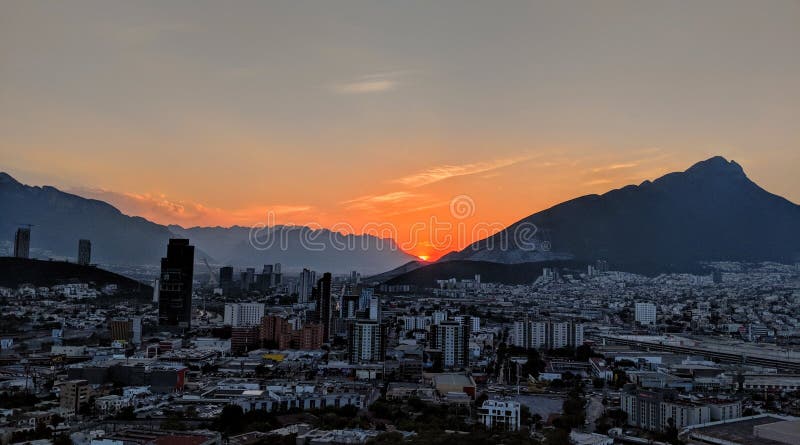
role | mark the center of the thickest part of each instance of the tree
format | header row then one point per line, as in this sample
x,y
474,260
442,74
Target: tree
x,y
230,420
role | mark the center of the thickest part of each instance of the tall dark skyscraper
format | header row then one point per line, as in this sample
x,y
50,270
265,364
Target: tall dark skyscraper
x,y
322,295
22,243
175,288
84,252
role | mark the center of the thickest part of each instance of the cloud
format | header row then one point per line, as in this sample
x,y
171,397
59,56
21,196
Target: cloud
x,y
614,167
371,83
164,210
442,172
369,201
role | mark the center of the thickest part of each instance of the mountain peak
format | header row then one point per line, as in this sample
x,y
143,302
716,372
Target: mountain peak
x,y
5,178
716,166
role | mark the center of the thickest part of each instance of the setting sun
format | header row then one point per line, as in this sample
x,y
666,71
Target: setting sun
x,y
424,257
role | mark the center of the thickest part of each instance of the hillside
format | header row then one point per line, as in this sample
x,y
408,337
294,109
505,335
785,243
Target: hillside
x,y
17,271
710,212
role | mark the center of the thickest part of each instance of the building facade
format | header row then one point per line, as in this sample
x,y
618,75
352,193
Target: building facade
x,y
175,285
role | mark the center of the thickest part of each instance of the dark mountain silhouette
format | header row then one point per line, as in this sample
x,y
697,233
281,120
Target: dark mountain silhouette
x,y
710,212
60,219
17,271
396,272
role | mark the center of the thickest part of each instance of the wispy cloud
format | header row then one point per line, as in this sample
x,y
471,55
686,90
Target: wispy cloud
x,y
614,167
162,209
442,172
367,201
371,83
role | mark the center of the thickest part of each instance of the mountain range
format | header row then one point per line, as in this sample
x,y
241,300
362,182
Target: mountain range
x,y
710,212
60,219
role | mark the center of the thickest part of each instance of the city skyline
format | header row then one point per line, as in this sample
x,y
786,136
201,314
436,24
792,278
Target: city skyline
x,y
358,120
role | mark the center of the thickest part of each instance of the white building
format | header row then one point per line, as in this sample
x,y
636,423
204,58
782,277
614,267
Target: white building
x,y
645,313
547,334
243,314
438,317
500,415
475,322
375,308
411,322
365,342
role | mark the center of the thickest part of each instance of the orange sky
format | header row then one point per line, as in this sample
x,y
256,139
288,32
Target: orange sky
x,y
211,113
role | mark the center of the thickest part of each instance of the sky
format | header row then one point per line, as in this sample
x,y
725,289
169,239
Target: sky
x,y
356,115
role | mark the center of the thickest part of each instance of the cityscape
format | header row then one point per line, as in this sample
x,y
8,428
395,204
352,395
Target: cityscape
x,y
596,294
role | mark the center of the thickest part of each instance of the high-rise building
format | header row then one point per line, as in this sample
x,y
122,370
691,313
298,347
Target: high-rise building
x,y
645,313
374,308
84,252
349,306
438,317
474,322
137,330
22,243
175,287
307,278
277,330
248,278
226,278
243,314
365,297
309,337
452,339
365,342
322,295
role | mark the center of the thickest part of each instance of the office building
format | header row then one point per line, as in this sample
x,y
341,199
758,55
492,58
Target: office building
x,y
322,295
243,314
645,313
365,342
84,252
175,287
22,243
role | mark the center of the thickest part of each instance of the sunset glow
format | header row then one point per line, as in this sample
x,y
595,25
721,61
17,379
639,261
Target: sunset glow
x,y
185,124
